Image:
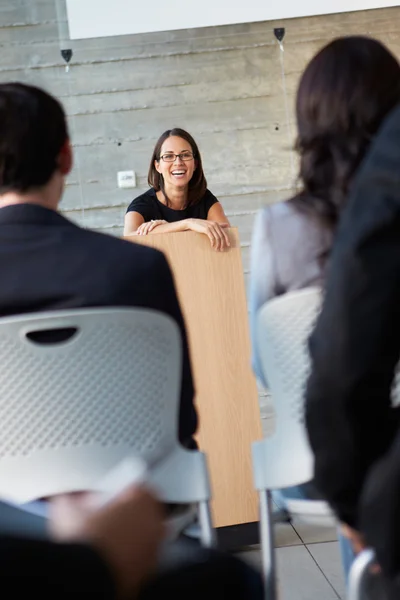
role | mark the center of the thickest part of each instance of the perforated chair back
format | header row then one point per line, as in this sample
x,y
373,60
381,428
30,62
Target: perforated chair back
x,y
73,410
284,326
285,459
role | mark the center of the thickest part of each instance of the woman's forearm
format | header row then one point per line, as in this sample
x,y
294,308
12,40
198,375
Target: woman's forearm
x,y
171,227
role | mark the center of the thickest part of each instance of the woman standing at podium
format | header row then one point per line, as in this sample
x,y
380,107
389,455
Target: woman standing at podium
x,y
178,198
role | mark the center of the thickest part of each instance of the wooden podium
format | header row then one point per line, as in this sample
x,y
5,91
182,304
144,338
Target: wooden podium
x,y
211,291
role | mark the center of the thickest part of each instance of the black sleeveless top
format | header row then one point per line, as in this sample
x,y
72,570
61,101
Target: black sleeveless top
x,y
149,206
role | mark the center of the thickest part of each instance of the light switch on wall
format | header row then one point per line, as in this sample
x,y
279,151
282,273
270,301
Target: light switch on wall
x,y
126,179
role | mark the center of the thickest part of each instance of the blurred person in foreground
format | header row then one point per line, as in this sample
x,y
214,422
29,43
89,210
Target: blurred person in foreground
x,y
118,552
353,427
345,93
108,553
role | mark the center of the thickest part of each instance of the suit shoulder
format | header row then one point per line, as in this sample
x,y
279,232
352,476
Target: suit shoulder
x,y
111,246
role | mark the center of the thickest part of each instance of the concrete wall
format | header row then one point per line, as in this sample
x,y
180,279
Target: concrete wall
x,y
231,87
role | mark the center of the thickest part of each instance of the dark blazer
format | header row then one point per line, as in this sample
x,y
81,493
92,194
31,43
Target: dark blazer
x,y
355,348
48,570
52,571
48,263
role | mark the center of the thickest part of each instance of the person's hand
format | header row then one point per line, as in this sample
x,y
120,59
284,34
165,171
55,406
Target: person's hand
x,y
215,232
126,531
357,542
355,538
145,228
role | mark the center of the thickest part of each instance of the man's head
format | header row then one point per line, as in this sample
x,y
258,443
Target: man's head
x,y
34,142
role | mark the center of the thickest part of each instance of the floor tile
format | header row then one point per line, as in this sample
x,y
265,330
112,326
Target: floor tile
x,y
312,534
327,556
300,577
251,556
285,535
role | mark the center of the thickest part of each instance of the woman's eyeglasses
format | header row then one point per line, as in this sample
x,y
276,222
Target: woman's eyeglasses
x,y
170,156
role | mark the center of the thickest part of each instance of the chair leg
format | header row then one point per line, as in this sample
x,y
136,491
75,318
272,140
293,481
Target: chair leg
x,y
267,545
207,531
358,572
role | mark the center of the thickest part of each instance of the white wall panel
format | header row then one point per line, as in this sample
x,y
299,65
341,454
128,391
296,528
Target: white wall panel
x,y
98,18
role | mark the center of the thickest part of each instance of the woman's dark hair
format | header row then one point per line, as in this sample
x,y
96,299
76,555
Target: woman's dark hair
x,y
33,130
198,183
344,95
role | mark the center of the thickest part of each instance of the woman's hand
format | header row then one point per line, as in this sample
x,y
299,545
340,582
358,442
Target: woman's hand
x,y
127,530
215,232
146,228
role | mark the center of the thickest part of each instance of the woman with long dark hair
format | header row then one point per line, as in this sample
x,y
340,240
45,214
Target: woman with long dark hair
x,y
344,95
178,198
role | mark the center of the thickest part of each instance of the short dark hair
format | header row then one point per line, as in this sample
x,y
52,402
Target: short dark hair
x,y
33,130
344,95
198,183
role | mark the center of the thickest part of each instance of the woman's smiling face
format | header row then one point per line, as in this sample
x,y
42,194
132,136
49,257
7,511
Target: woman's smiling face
x,y
176,163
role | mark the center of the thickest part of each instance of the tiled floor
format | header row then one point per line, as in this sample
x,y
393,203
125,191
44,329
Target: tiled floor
x,y
309,566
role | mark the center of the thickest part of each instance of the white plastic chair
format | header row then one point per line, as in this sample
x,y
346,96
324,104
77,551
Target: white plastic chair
x,y
71,411
285,459
359,574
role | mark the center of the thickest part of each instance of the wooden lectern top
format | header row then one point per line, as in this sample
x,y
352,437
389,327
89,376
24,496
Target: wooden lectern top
x,y
211,291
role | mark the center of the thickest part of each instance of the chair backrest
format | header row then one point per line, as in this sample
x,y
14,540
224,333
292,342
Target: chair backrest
x,y
284,325
70,411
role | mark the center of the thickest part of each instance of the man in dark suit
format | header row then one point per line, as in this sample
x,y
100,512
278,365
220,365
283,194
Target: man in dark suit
x,y
47,262
353,428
